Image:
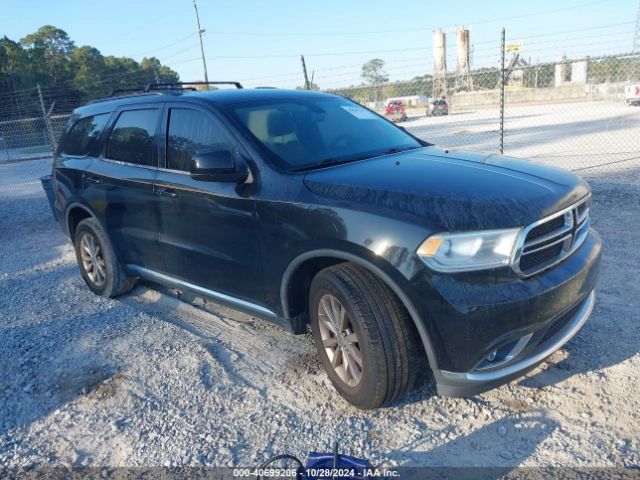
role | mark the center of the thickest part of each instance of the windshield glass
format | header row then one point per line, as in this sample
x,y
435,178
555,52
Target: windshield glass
x,y
309,132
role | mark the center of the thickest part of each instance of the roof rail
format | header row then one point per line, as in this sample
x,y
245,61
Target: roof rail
x,y
155,87
186,85
126,90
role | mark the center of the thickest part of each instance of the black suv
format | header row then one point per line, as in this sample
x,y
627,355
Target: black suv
x,y
307,208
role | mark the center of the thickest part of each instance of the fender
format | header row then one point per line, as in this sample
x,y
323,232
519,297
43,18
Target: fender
x,y
70,207
326,252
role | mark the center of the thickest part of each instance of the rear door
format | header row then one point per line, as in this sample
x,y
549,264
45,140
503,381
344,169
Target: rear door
x,y
208,230
119,186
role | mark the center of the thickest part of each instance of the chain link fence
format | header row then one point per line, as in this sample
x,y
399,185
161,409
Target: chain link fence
x,y
577,112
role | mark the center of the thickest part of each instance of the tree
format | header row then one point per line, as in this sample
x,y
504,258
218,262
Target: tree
x,y
15,71
68,75
374,75
52,47
160,73
87,65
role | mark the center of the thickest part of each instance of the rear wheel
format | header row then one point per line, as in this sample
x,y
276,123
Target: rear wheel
x,y
98,264
366,340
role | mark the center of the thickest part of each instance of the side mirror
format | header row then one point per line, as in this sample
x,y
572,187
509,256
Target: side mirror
x,y
217,166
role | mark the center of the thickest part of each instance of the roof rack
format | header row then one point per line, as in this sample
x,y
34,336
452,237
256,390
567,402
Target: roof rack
x,y
186,85
151,87
117,91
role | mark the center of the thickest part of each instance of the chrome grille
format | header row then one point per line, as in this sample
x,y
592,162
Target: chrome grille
x,y
550,240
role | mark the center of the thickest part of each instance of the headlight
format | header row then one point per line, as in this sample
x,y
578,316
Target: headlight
x,y
461,252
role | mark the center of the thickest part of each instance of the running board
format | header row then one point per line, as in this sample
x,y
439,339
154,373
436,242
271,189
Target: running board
x,y
221,297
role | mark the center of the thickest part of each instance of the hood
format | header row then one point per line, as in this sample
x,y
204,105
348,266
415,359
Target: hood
x,y
454,190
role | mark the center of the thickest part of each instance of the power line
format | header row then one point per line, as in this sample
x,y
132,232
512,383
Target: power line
x,y
155,50
323,54
190,47
401,30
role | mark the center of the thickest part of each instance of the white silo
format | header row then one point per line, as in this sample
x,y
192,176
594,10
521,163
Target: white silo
x,y
439,64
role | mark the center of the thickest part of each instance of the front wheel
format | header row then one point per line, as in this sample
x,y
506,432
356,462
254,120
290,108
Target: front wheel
x,y
366,340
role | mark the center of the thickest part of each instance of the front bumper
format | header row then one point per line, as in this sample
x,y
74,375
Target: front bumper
x,y
538,347
471,316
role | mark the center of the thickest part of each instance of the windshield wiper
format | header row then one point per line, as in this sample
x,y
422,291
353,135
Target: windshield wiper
x,y
328,162
397,150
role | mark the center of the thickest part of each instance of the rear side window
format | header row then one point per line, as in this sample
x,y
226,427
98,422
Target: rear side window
x,y
191,131
83,134
132,137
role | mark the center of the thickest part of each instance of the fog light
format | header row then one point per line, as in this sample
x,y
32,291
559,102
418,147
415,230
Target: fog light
x,y
492,356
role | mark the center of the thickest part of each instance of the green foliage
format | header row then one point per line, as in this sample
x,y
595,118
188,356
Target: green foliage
x,y
613,69
373,72
71,75
374,75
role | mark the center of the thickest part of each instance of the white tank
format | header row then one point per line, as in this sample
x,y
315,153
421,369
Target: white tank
x,y
462,46
439,53
579,68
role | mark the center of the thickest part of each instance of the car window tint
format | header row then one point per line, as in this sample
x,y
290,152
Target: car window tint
x,y
131,138
191,131
308,131
83,134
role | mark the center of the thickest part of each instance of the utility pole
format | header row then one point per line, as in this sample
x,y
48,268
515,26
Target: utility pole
x,y
200,32
635,69
304,70
502,82
45,118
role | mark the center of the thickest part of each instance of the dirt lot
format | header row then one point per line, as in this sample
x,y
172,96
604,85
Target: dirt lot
x,y
150,379
568,135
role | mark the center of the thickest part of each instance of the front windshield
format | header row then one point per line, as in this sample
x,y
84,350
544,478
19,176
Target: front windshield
x,y
313,131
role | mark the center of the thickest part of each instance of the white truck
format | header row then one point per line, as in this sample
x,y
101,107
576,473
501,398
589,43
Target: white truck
x,y
632,94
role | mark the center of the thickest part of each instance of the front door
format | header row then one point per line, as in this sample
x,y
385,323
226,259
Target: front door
x,y
208,230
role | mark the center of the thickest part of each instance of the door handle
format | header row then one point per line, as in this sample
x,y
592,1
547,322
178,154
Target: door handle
x,y
90,179
167,192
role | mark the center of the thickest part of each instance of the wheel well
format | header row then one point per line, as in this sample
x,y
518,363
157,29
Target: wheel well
x,y
74,217
300,282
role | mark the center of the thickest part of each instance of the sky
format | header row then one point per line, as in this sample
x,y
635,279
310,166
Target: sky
x,y
259,42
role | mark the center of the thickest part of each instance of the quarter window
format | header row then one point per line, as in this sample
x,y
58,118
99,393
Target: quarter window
x,y
190,132
83,134
131,139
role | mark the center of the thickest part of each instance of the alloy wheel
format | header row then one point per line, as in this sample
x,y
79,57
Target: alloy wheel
x,y
92,259
340,340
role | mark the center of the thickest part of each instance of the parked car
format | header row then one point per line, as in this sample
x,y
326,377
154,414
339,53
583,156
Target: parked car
x,y
437,107
395,111
632,94
307,209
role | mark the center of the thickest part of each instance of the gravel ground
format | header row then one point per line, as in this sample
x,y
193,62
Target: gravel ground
x,y
158,378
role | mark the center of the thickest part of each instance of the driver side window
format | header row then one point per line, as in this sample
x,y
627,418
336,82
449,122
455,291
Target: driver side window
x,y
190,132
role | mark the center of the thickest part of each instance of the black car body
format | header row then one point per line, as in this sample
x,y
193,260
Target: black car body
x,y
257,239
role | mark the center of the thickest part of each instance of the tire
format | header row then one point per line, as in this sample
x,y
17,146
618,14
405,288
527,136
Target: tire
x,y
386,340
101,271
